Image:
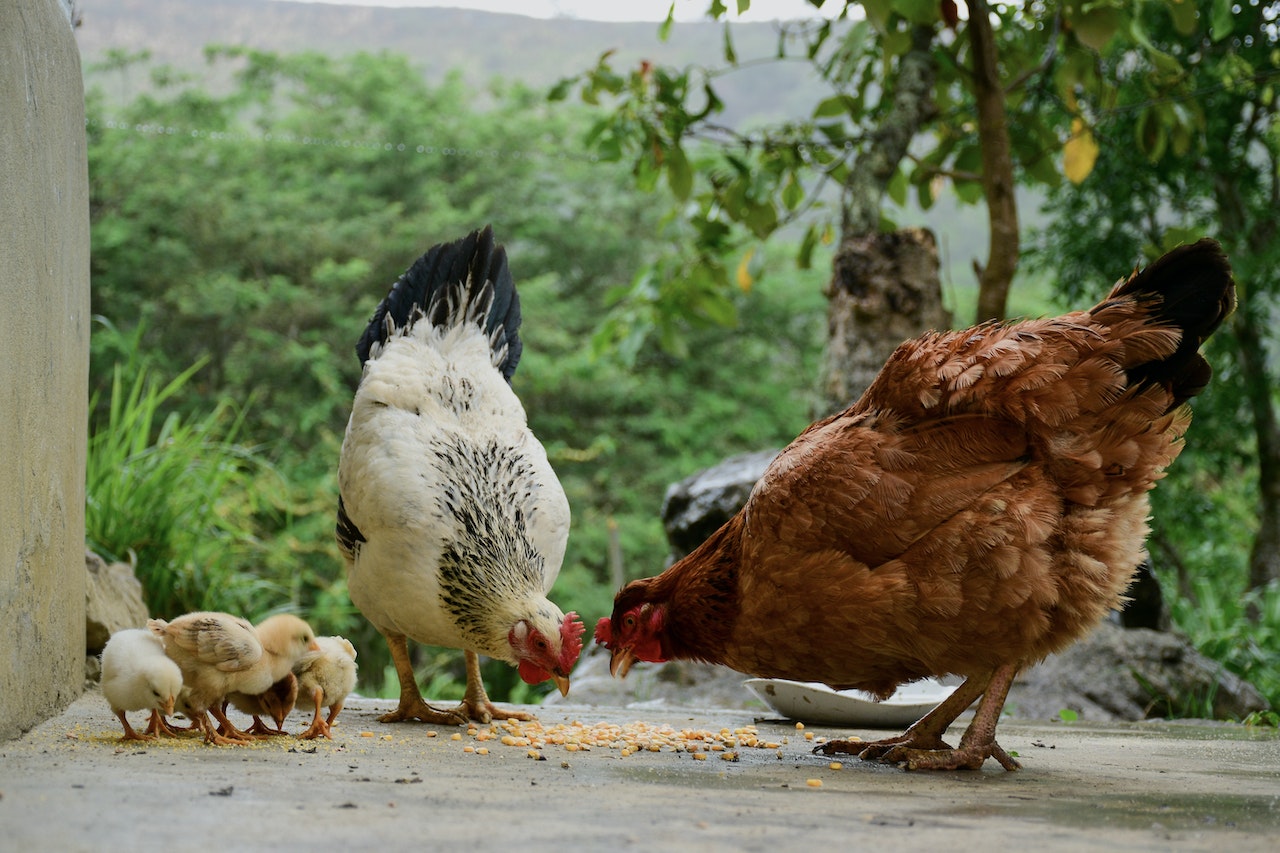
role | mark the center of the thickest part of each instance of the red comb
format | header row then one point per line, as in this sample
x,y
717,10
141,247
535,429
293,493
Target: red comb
x,y
604,632
571,631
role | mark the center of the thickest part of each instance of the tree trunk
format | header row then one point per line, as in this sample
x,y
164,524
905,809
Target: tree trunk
x,y
1264,556
997,168
884,290
884,287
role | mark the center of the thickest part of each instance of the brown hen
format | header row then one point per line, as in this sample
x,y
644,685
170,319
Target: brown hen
x,y
983,505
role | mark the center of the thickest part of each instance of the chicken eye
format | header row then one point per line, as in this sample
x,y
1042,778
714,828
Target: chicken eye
x,y
628,621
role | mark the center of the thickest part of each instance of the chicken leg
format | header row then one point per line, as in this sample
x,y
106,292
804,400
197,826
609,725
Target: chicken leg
x,y
475,703
161,727
129,733
319,725
921,747
412,706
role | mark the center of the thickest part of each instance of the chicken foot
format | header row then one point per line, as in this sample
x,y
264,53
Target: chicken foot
x,y
475,703
129,733
921,747
161,727
226,729
412,706
319,725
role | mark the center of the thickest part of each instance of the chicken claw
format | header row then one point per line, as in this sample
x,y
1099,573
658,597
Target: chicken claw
x,y
921,747
476,705
418,709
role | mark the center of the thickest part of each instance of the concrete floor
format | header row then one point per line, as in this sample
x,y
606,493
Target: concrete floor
x,y
69,784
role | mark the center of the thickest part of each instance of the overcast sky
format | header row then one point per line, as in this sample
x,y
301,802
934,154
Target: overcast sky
x,y
613,10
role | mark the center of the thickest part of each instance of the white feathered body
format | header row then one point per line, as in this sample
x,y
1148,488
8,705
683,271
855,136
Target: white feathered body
x,y
463,519
136,673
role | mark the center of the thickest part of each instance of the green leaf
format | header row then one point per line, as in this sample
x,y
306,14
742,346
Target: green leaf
x,y
804,257
1184,16
836,105
878,12
1221,19
664,30
792,193
679,174
730,55
1096,26
743,6
1068,716
918,11
898,187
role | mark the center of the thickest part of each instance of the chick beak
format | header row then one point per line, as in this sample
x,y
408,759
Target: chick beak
x,y
620,662
562,682
313,646
168,706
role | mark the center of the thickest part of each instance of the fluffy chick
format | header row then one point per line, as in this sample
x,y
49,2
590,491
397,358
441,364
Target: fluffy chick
x,y
276,703
221,654
325,678
287,638
138,676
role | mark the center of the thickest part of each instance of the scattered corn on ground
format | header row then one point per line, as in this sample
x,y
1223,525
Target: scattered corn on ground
x,y
624,739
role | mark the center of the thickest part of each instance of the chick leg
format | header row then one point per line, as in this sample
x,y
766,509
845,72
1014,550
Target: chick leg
x,y
475,703
925,734
319,726
158,725
412,706
212,736
225,728
129,733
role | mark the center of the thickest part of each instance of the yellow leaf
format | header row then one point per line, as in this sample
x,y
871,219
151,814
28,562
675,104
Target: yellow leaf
x,y
1080,153
744,272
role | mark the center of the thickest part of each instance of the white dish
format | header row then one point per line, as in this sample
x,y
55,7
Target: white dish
x,y
817,703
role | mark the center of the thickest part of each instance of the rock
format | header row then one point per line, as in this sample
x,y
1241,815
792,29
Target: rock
x,y
113,601
699,505
1136,674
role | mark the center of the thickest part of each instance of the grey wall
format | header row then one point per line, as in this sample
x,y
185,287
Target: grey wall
x,y
44,360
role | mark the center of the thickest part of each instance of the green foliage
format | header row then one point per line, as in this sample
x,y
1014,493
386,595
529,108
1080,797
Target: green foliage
x,y
154,495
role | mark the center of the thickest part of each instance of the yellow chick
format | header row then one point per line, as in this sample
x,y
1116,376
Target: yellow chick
x,y
221,654
137,676
288,638
325,678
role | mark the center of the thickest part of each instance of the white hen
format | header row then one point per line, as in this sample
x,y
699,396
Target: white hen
x,y
451,520
138,676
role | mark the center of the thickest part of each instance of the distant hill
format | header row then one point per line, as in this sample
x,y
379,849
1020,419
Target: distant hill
x,y
480,45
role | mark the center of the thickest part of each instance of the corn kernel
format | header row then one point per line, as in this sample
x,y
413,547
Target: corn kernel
x,y
432,734
813,783
366,734
799,727
835,765
468,749
699,756
808,735
484,750
455,736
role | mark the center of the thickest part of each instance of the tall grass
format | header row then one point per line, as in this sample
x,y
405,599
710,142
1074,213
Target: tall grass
x,y
161,493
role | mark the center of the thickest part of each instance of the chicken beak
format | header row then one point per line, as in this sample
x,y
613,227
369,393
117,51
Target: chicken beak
x,y
313,646
168,706
620,662
562,682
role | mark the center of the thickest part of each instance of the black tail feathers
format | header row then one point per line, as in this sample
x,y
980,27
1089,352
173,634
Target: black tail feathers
x,y
1192,289
464,281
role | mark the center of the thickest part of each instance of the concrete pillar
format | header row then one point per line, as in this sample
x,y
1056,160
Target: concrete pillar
x,y
44,363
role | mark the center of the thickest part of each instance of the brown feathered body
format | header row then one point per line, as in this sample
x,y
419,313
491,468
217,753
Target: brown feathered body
x,y
983,504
